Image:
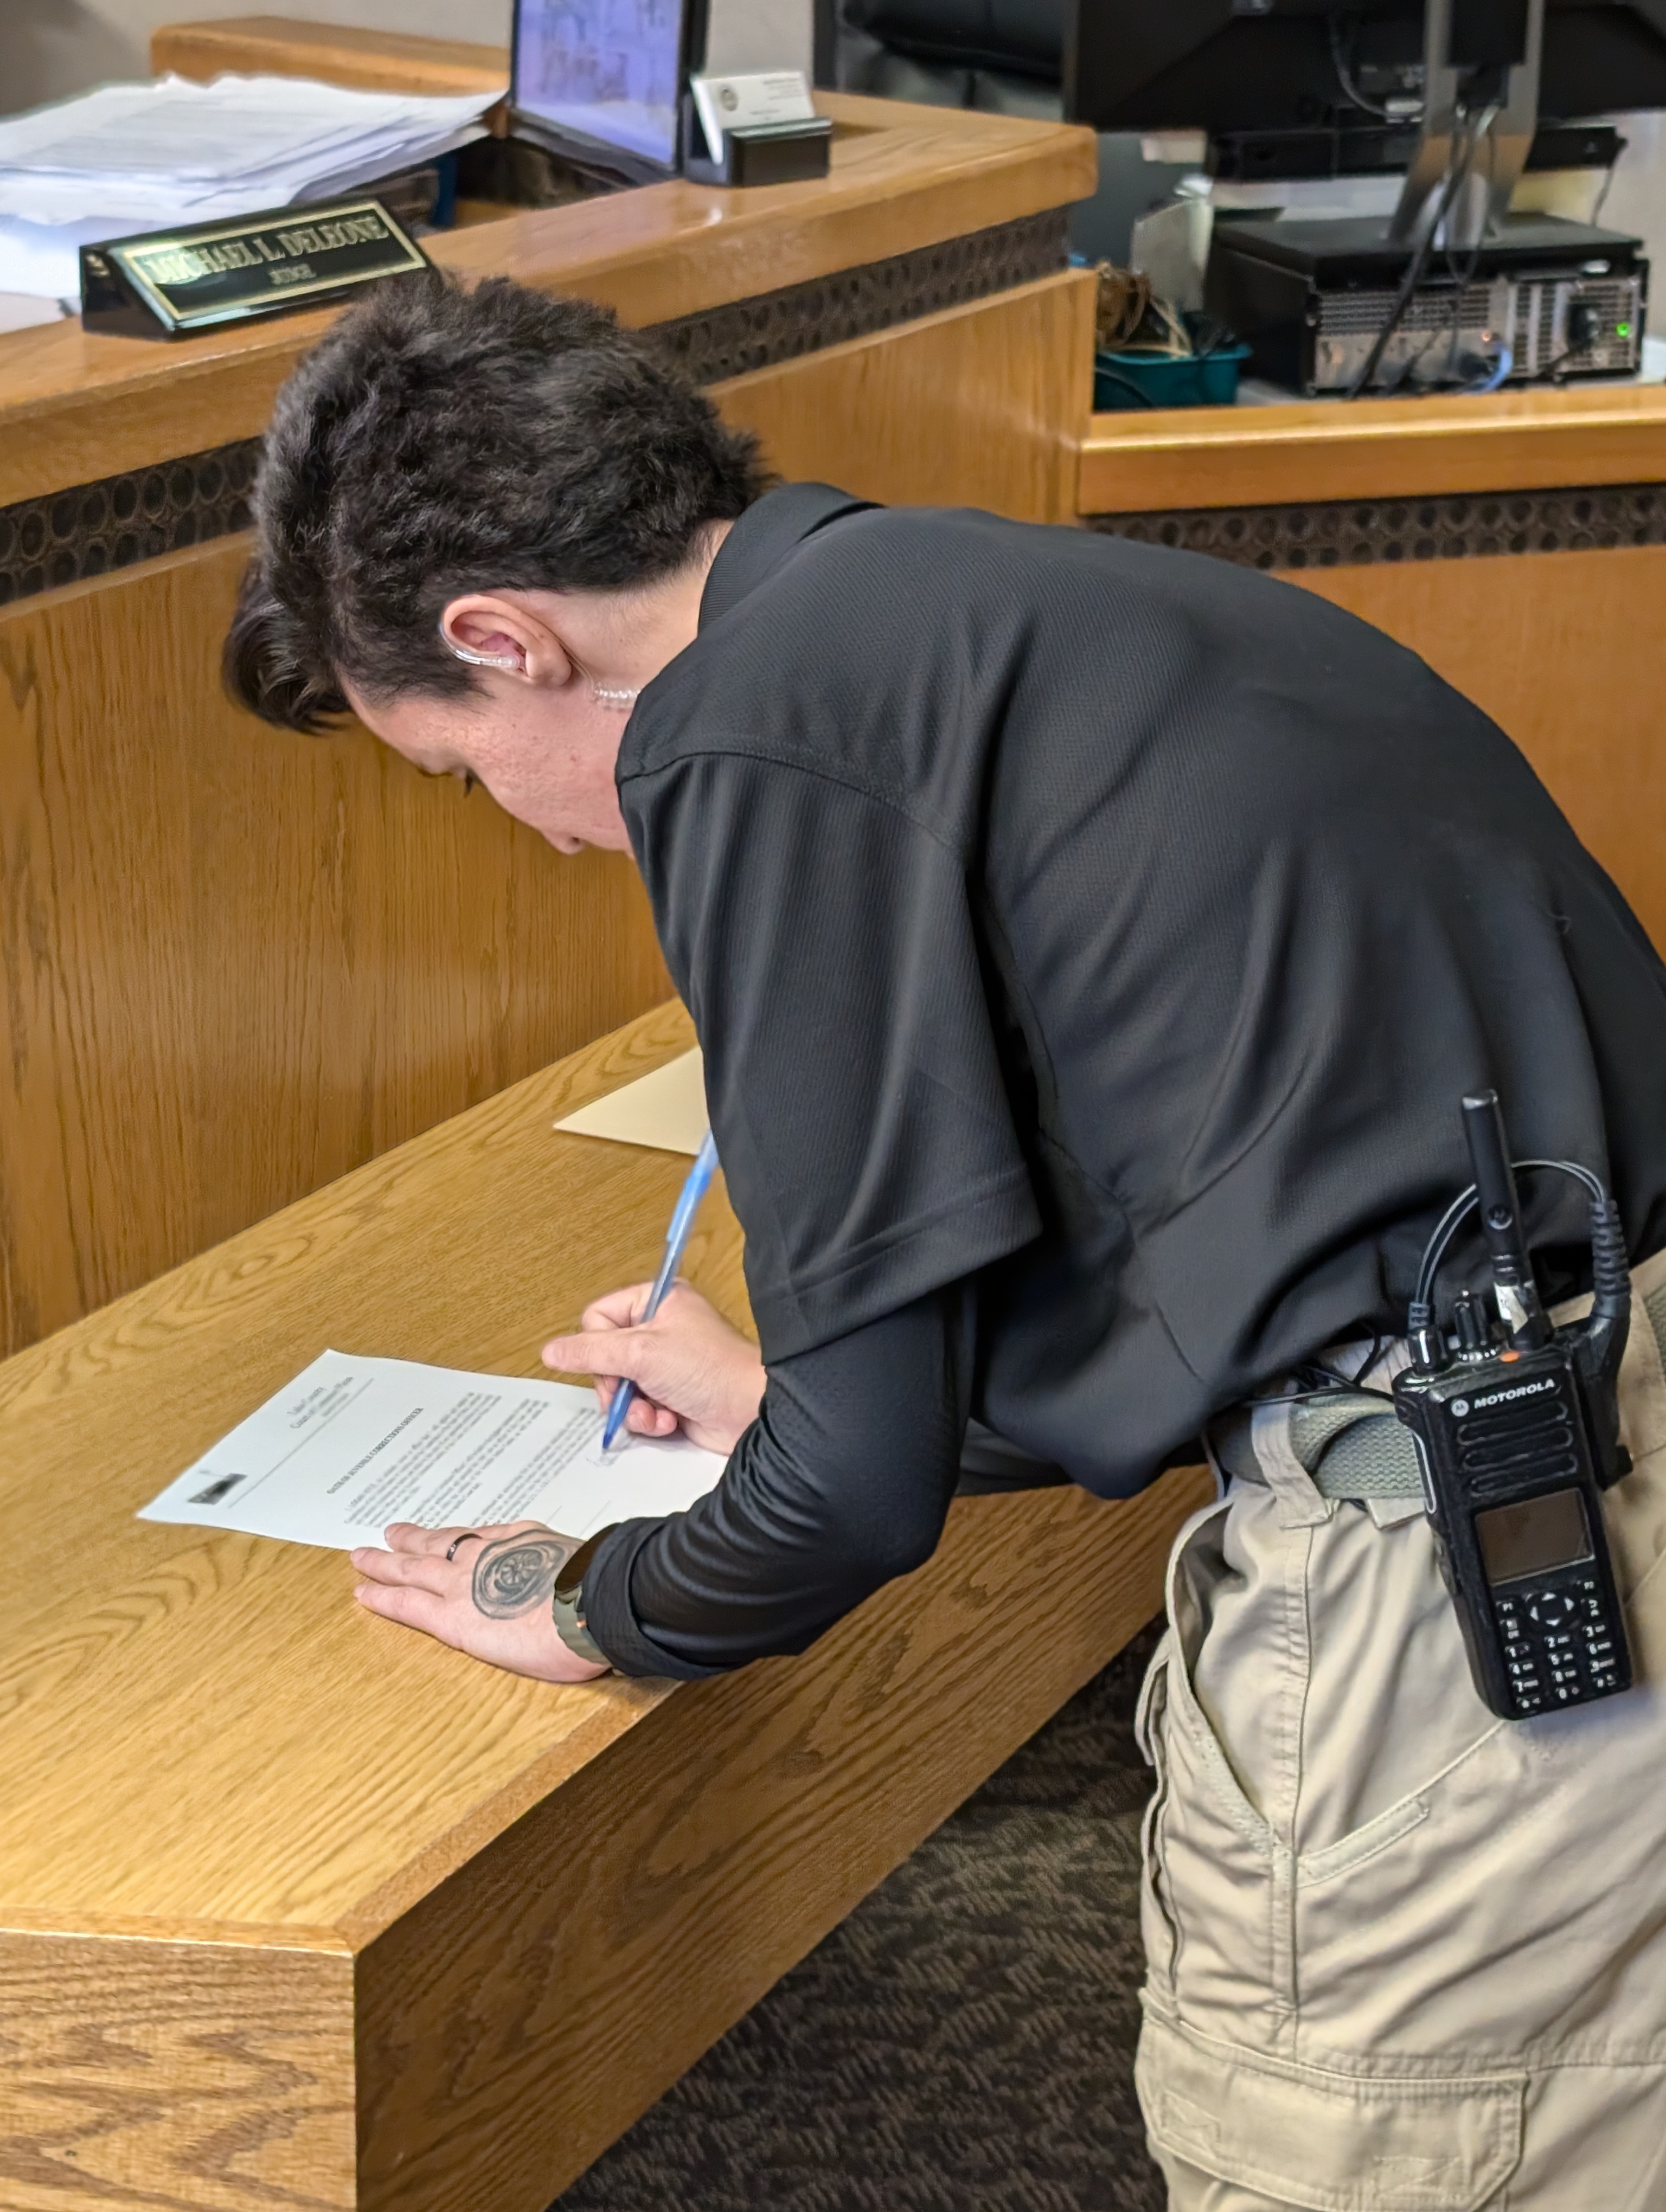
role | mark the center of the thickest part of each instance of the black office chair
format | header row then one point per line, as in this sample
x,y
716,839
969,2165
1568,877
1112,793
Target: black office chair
x,y
1001,55
1005,57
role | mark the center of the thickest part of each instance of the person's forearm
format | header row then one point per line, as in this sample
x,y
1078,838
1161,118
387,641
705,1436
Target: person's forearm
x,y
842,1483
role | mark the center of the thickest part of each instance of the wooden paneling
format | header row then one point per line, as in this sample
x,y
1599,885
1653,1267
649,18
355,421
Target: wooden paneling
x,y
238,963
75,408
225,1785
686,1869
373,61
1568,653
1566,650
141,404
975,407
165,2073
1374,449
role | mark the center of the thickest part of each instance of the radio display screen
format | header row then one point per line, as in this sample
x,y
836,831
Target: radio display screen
x,y
1534,1537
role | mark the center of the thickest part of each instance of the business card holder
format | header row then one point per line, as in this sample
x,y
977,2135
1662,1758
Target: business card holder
x,y
758,153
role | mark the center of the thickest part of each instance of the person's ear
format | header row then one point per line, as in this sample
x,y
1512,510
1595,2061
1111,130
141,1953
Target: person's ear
x,y
490,629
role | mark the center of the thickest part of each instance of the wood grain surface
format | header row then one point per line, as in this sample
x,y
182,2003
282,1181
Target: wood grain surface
x,y
1568,653
686,1867
465,1247
1372,449
231,1784
236,963
75,408
970,407
371,61
164,2075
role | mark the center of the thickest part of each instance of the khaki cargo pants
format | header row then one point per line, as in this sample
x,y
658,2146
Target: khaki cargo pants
x,y
1401,1956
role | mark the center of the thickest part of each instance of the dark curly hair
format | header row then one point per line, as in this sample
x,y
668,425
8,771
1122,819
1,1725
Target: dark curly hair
x,y
441,439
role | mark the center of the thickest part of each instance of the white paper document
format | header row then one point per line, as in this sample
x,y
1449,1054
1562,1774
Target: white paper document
x,y
354,1443
23,311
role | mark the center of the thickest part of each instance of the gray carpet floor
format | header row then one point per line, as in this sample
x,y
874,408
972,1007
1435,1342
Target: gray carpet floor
x,y
965,2041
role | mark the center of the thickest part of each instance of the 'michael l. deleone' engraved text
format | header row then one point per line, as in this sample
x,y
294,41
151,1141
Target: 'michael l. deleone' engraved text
x,y
173,265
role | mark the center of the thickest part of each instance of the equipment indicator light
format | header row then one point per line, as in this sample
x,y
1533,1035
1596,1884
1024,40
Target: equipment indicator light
x,y
1622,330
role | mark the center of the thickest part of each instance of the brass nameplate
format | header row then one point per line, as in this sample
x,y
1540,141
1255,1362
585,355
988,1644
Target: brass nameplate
x,y
168,283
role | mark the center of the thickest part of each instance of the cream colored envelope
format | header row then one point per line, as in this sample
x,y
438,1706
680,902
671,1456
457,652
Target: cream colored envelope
x,y
666,1111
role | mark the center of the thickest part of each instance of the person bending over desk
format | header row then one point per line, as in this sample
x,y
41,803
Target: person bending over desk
x,y
1090,944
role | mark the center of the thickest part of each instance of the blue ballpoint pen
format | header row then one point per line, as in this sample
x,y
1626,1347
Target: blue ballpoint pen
x,y
676,1239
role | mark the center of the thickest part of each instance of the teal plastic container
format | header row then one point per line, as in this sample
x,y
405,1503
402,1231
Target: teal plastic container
x,y
1148,380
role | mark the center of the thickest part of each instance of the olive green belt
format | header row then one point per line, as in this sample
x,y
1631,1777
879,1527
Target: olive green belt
x,y
1350,1442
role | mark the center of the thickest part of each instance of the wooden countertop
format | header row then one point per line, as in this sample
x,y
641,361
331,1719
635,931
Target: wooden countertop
x,y
155,1677
368,61
299,1907
75,408
1374,449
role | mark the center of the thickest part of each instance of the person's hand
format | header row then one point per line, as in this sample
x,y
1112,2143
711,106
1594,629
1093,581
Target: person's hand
x,y
485,1591
692,1370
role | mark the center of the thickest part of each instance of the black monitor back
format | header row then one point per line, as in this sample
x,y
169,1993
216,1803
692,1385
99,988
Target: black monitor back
x,y
1208,66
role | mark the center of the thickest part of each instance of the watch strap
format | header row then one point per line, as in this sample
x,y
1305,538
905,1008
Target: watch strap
x,y
567,1603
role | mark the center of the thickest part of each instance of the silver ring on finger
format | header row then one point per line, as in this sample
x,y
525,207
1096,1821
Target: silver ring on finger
x,y
451,1548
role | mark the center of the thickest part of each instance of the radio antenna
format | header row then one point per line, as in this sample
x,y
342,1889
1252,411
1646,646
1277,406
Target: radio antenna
x,y
1513,1285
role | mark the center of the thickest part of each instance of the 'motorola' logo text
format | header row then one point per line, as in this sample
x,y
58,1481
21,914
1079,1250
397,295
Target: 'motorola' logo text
x,y
1520,1390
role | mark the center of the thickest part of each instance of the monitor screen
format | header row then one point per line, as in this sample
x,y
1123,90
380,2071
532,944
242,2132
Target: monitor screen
x,y
604,72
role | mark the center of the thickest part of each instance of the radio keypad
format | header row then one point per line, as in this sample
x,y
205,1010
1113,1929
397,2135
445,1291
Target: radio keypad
x,y
1557,1649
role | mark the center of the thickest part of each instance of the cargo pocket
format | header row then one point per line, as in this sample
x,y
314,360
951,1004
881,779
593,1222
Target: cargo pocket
x,y
1158,1928
1327,2141
1208,1853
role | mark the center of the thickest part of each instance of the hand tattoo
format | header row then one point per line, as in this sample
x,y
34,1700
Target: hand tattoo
x,y
517,1574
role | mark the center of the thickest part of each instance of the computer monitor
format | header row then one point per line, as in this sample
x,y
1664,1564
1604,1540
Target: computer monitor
x,y
601,80
1290,89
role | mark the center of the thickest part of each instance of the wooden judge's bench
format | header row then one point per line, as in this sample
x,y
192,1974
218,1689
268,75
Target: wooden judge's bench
x,y
238,963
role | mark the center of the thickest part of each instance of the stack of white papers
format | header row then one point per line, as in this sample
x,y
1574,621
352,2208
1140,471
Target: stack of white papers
x,y
137,157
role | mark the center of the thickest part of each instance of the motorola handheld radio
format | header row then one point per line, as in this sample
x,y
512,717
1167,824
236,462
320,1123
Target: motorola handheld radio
x,y
1517,1425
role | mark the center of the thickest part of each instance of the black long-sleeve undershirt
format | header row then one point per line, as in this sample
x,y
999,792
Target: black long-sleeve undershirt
x,y
842,1482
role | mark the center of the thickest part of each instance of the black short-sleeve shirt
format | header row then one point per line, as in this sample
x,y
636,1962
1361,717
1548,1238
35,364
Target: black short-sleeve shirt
x,y
1120,928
